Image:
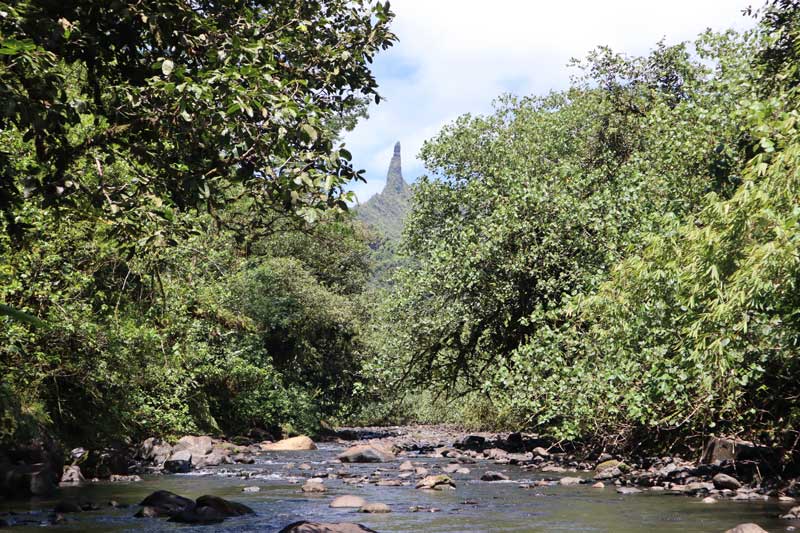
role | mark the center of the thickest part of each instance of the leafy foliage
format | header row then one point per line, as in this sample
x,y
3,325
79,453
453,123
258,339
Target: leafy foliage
x,y
203,103
172,192
619,260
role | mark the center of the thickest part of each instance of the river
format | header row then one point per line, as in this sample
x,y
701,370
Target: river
x,y
475,506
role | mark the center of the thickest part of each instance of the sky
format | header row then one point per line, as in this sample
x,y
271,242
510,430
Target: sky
x,y
456,56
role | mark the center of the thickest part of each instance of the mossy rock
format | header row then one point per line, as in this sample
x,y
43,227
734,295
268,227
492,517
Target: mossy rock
x,y
612,463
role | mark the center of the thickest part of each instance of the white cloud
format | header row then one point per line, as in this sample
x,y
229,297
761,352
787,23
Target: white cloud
x,y
456,56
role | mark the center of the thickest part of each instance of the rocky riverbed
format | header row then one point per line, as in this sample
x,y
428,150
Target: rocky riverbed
x,y
408,479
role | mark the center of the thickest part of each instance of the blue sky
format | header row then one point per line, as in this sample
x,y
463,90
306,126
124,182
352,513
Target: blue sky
x,y
456,56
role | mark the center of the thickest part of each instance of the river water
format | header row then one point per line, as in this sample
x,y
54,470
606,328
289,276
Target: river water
x,y
475,506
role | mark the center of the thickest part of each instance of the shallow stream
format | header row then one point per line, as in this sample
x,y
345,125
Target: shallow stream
x,y
475,506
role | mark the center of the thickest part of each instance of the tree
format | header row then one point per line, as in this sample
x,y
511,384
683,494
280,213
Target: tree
x,y
134,109
533,204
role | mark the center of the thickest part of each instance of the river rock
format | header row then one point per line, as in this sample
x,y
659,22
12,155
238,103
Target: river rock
x,y
105,462
348,501
251,489
163,503
747,528
210,510
472,442
197,445
179,462
724,481
598,485
321,527
366,453
215,458
198,515
440,482
154,451
735,450
375,508
406,466
628,490
493,476
569,481
496,454
793,514
243,458
28,480
541,452
72,475
301,443
313,486
226,507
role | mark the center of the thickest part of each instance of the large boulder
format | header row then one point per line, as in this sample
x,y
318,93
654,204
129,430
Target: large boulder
x,y
179,462
366,453
198,515
724,481
215,458
103,463
472,442
31,468
301,443
226,507
721,449
320,527
154,451
28,480
202,445
164,503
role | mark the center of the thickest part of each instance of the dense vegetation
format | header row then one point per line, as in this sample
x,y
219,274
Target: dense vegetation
x,y
618,260
614,261
173,222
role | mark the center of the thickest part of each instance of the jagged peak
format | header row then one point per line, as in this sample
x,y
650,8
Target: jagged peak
x,y
394,177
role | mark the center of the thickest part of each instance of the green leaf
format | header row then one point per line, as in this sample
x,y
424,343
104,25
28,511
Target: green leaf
x,y
20,316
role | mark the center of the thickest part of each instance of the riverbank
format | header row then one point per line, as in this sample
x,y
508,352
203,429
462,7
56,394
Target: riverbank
x,y
430,479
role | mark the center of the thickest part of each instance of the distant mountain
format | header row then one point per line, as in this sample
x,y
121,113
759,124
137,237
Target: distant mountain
x,y
386,212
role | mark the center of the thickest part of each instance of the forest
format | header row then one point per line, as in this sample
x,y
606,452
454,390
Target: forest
x,y
617,263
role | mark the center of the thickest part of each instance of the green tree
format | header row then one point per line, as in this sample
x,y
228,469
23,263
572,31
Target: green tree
x,y
534,204
205,102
